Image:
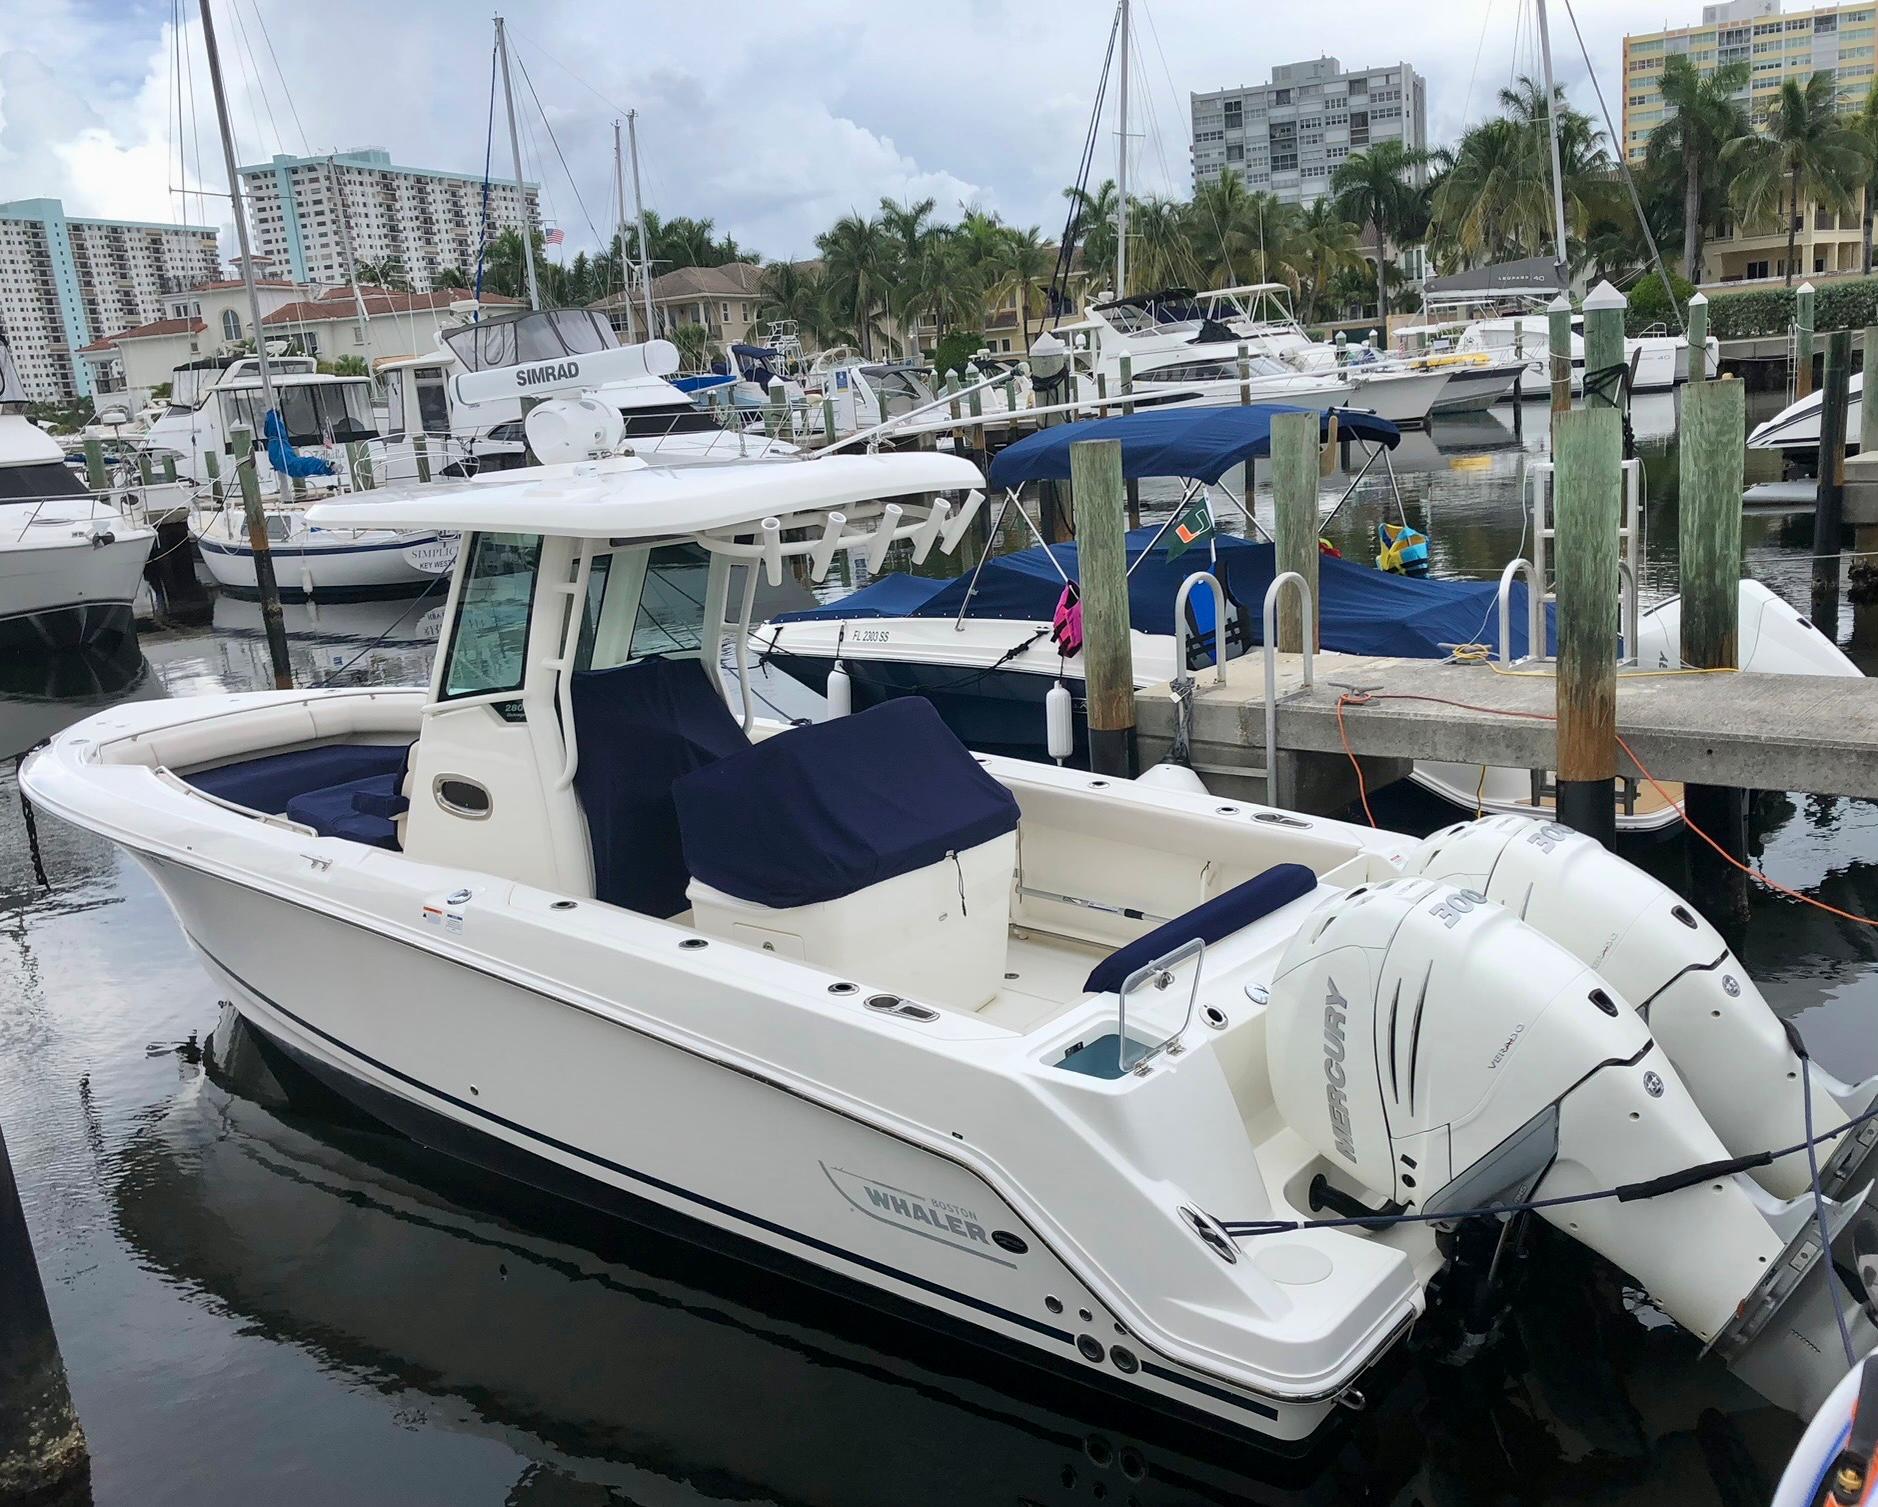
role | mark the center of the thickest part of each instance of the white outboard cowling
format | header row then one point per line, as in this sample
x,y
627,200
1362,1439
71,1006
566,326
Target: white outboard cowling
x,y
1439,1052
1658,952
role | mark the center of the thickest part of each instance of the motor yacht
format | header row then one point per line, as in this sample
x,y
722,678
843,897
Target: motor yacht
x,y
71,564
1795,429
1168,1092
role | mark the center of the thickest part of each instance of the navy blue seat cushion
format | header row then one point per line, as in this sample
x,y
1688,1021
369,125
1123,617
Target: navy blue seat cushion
x,y
1219,917
824,810
269,783
360,810
638,727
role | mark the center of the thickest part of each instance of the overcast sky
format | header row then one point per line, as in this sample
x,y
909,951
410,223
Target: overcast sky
x,y
772,119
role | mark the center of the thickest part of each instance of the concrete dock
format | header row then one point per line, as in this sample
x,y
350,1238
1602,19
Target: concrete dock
x,y
1758,732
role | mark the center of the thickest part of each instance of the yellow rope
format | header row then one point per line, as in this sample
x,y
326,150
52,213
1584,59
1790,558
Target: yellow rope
x,y
1482,654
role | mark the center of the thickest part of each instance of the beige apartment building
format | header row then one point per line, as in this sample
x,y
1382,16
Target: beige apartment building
x,y
1777,45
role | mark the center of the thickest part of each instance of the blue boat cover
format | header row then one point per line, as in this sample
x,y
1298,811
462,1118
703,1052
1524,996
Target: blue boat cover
x,y
637,728
706,383
826,809
282,456
1219,917
1363,611
271,782
1204,443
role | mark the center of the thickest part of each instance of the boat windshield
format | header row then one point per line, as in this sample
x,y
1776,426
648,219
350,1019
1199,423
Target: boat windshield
x,y
900,391
316,413
537,336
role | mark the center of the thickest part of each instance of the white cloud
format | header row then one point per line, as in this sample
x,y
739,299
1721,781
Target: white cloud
x,y
771,120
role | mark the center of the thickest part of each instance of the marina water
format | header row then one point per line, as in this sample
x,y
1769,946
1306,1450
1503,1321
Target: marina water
x,y
265,1300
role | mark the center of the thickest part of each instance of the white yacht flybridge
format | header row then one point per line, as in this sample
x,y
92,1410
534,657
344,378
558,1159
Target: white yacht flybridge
x,y
1170,1093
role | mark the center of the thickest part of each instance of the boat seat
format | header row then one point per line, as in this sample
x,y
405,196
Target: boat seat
x,y
639,727
871,845
1219,917
270,783
364,810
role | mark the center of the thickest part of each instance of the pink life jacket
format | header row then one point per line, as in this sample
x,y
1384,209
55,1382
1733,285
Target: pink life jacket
x,y
1066,623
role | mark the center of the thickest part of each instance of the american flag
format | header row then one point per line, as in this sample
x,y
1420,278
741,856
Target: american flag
x,y
555,236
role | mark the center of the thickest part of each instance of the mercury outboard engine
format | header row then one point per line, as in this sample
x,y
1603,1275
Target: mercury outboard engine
x,y
1441,1053
1701,1006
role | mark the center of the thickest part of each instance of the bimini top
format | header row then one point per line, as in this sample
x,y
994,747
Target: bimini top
x,y
1204,443
1363,610
624,498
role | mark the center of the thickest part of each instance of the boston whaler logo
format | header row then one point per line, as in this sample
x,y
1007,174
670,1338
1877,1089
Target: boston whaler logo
x,y
1336,1012
547,371
917,1213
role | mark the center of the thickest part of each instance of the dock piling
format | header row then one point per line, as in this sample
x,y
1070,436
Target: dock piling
x,y
1588,483
265,586
359,463
1052,383
42,1446
1295,526
1604,347
1558,316
1095,477
1803,341
420,453
1134,486
1829,498
95,478
1713,452
1698,338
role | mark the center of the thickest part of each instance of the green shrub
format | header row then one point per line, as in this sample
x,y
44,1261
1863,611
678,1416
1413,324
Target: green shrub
x,y
1651,304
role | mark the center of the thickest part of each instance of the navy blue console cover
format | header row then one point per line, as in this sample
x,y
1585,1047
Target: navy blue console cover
x,y
1219,917
270,782
639,727
821,811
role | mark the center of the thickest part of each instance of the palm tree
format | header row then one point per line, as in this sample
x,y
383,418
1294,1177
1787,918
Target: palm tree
x,y
1021,270
1705,118
1093,228
1865,123
1327,249
1475,205
1803,151
449,277
1372,188
857,257
1162,235
789,290
386,272
1225,222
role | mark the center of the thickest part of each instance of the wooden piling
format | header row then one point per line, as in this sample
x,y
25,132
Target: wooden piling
x,y
1558,315
1829,499
359,463
1803,340
1095,476
1604,347
1128,390
420,452
169,468
828,418
42,1446
1245,373
95,477
266,588
1519,376
1698,339
1588,484
144,472
1294,505
1713,450
212,463
1868,412
1052,383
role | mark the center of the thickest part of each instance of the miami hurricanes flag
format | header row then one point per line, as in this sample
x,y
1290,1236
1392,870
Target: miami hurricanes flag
x,y
1193,526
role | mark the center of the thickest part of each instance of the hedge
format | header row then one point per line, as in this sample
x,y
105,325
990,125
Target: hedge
x,y
1769,311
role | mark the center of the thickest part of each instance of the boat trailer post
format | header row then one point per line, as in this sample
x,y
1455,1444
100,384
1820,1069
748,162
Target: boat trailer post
x,y
1714,450
1095,470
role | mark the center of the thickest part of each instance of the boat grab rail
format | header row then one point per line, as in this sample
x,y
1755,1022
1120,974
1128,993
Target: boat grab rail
x,y
1307,633
1159,972
938,522
1534,607
1182,634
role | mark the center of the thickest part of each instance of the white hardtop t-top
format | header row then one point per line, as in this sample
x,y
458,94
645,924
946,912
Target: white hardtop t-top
x,y
623,497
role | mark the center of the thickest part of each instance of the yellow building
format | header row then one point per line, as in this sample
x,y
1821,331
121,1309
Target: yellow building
x,y
1777,46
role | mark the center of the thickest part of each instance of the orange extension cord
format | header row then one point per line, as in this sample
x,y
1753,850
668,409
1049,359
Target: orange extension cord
x,y
1362,698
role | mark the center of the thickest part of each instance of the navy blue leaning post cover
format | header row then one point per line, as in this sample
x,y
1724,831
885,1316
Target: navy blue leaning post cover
x,y
638,727
824,810
1212,919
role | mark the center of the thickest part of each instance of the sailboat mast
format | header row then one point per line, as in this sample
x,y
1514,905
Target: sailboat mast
x,y
619,224
1121,169
257,523
639,211
521,188
1551,116
345,239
